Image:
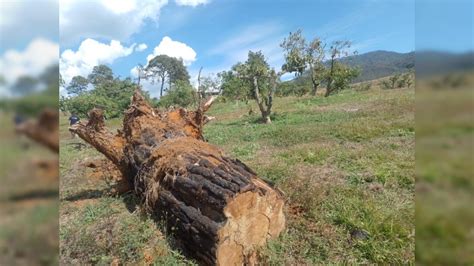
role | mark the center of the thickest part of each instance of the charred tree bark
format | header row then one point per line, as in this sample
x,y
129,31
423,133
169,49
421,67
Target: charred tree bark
x,y
218,208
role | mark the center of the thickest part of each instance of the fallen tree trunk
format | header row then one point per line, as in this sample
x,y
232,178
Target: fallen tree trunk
x,y
218,209
44,130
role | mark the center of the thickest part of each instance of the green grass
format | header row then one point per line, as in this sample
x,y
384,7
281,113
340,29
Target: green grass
x,y
328,155
345,163
445,145
29,221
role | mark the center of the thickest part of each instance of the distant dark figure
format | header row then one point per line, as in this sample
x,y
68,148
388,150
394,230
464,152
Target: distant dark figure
x,y
73,119
18,119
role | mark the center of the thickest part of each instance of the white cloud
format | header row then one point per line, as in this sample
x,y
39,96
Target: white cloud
x,y
141,47
89,54
174,49
109,19
192,3
20,21
120,7
37,56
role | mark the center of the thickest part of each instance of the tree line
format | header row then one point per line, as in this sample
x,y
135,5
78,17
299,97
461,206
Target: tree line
x,y
252,79
31,94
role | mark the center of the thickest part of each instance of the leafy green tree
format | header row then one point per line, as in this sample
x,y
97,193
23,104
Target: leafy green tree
x,y
180,94
163,68
301,55
113,97
343,76
295,58
232,86
178,72
101,74
263,81
337,70
77,86
24,85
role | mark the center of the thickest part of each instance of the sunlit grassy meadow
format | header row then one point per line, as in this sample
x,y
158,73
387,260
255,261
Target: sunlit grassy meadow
x,y
346,164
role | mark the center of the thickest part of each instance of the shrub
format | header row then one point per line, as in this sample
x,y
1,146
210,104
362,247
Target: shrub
x,y
181,94
364,86
113,97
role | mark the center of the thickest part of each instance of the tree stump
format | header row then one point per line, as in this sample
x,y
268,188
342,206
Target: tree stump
x,y
219,211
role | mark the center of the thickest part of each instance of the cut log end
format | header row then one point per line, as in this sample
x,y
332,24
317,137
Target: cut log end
x,y
252,219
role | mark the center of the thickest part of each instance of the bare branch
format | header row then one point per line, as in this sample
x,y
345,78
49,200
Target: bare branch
x,y
208,103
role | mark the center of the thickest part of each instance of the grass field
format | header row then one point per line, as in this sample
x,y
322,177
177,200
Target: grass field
x,y
444,169
28,201
345,163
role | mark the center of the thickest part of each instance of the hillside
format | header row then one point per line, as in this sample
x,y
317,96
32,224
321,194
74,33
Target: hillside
x,y
430,63
379,64
374,65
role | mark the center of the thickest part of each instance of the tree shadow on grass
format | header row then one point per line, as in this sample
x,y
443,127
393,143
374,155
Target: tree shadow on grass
x,y
133,203
78,145
35,194
87,194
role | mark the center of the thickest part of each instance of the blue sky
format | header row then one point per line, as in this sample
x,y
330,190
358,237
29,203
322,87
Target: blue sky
x,y
214,34
222,32
444,25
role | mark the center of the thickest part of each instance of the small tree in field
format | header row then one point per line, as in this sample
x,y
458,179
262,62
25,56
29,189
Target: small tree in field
x,y
338,71
343,76
262,81
180,94
300,55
